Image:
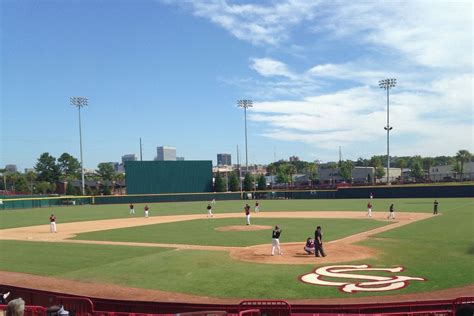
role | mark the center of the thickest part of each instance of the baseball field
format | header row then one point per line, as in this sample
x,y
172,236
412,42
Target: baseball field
x,y
178,254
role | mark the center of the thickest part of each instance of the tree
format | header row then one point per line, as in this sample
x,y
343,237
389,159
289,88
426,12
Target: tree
x,y
219,185
345,170
234,183
31,178
428,162
105,171
47,168
375,161
261,183
312,171
21,184
272,169
463,156
417,170
361,162
43,187
248,182
456,169
379,172
69,167
282,177
402,164
107,190
70,190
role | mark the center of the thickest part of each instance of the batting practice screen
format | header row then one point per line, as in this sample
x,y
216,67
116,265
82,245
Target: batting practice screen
x,y
154,177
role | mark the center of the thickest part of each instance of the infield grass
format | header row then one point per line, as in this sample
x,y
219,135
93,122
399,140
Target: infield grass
x,y
203,231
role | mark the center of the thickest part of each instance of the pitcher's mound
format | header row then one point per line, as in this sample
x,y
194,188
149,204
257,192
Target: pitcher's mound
x,y
239,228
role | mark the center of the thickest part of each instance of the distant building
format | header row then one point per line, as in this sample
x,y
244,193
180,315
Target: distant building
x,y
224,160
11,168
30,170
129,157
165,153
294,158
179,158
446,172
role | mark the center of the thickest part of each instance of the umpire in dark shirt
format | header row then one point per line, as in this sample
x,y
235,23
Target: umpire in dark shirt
x,y
318,243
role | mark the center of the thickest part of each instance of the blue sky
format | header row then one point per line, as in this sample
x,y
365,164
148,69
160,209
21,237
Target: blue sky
x,y
170,72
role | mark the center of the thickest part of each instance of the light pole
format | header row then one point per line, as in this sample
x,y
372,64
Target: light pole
x,y
387,84
80,102
245,104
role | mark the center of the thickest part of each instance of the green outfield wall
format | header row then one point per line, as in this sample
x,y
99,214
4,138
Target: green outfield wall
x,y
157,177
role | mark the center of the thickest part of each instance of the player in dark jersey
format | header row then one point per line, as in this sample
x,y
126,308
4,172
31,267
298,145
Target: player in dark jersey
x,y
247,213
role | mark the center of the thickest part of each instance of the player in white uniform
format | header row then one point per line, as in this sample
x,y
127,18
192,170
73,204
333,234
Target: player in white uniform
x,y
257,207
52,220
276,240
209,211
146,211
132,210
369,209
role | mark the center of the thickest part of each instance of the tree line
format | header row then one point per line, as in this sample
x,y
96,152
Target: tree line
x,y
49,171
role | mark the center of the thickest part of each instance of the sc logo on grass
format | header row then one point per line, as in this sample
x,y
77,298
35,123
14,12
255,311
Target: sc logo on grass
x,y
374,283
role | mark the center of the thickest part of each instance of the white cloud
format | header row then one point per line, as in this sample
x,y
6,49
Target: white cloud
x,y
268,67
255,23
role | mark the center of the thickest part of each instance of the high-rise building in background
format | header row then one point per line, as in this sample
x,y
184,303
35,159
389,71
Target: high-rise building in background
x,y
165,153
129,157
224,160
11,168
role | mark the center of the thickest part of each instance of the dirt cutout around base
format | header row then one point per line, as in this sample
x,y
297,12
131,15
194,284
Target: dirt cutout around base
x,y
242,228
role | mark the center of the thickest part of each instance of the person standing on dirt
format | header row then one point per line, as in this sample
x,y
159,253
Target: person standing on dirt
x,y
318,243
435,207
247,213
276,240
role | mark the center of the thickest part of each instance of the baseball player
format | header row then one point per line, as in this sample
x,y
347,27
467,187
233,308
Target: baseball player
x,y
276,240
309,247
435,207
318,243
213,201
391,214
369,209
247,213
132,210
371,195
146,211
209,211
52,220
257,207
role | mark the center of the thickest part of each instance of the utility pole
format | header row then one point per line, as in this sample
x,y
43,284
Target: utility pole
x,y
141,152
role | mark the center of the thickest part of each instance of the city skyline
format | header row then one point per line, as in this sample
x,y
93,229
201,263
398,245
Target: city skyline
x,y
171,73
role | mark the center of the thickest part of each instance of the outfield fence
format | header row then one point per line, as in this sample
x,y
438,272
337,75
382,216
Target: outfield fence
x,y
400,191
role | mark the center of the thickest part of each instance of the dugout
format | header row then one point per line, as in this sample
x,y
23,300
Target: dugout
x,y
158,177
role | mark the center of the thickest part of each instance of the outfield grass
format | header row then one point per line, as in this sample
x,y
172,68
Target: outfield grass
x,y
202,231
68,214
439,249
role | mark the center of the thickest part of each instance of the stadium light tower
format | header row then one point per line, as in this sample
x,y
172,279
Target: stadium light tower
x,y
80,102
245,104
387,84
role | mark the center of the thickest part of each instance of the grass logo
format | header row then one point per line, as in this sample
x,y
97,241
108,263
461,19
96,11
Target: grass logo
x,y
371,283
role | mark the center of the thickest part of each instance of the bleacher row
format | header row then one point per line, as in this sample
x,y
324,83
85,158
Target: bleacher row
x,y
37,303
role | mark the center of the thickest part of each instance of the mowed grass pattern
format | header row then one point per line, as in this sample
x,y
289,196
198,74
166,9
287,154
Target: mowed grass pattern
x,y
439,249
203,231
68,214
